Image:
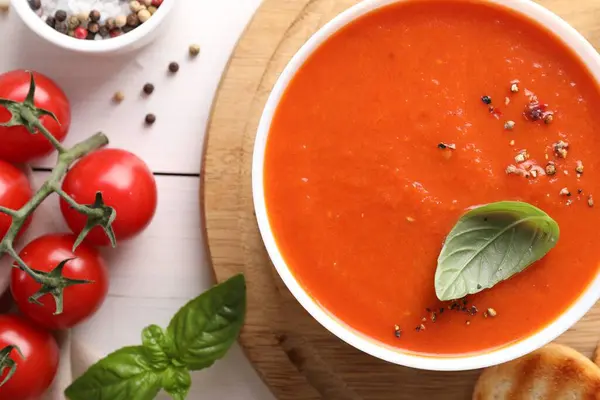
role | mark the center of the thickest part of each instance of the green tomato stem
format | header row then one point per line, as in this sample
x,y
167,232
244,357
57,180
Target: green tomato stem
x,y
28,116
51,185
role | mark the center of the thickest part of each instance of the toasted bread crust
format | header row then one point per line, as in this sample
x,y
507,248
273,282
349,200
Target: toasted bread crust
x,y
554,372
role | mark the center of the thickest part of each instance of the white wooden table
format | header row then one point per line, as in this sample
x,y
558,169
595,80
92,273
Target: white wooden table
x,y
155,274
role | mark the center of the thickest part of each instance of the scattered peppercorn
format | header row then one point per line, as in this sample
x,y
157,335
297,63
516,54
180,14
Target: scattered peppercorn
x,y
444,146
491,312
194,50
509,125
173,67
560,149
565,192
579,191
548,118
486,100
148,88
550,168
521,157
514,87
150,119
118,97
95,15
60,15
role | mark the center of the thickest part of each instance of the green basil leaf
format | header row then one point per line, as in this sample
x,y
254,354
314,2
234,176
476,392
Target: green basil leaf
x,y
489,244
126,374
205,328
157,346
176,382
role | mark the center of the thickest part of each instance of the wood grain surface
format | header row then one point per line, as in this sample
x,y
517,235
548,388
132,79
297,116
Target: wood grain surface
x,y
295,356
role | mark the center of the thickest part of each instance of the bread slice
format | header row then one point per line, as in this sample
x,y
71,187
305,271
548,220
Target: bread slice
x,y
554,372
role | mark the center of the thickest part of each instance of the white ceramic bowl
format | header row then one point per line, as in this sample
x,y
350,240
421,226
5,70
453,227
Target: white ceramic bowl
x,y
137,38
368,345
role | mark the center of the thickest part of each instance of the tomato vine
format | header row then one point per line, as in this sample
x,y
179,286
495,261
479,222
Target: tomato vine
x,y
26,114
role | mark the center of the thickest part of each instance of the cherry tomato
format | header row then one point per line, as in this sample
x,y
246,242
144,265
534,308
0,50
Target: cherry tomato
x,y
14,193
80,301
126,184
17,145
37,367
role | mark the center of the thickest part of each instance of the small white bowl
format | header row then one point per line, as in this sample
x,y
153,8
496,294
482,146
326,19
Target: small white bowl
x,y
368,345
137,38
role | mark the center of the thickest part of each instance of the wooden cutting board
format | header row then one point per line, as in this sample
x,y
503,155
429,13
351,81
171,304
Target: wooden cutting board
x,y
296,357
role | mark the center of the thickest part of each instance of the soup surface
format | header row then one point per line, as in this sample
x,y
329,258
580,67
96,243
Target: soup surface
x,y
361,193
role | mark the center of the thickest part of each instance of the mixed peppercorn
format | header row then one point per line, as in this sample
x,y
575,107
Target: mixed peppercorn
x,y
536,111
94,25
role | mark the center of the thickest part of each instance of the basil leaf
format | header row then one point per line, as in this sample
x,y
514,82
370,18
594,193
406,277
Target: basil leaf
x,y
490,244
157,347
123,375
176,382
205,328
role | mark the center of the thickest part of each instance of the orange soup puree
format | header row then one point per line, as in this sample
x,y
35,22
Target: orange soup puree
x,y
360,197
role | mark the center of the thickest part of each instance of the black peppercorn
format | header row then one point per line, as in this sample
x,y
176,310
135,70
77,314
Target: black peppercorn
x,y
95,15
50,21
148,88
150,119
127,28
60,15
93,27
486,100
104,32
133,20
35,4
61,27
173,67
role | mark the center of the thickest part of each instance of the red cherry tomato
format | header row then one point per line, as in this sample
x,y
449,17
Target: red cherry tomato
x,y
14,193
38,366
126,184
17,145
80,301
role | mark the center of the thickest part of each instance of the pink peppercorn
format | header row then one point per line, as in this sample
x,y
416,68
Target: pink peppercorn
x,y
115,33
157,3
81,33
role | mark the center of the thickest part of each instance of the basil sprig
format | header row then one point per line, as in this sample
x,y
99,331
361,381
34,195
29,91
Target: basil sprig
x,y
490,244
199,334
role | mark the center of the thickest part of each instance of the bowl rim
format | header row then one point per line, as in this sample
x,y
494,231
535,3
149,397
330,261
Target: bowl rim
x,y
533,11
41,29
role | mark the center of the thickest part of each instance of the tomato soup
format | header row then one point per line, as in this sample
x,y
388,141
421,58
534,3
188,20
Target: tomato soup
x,y
399,123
